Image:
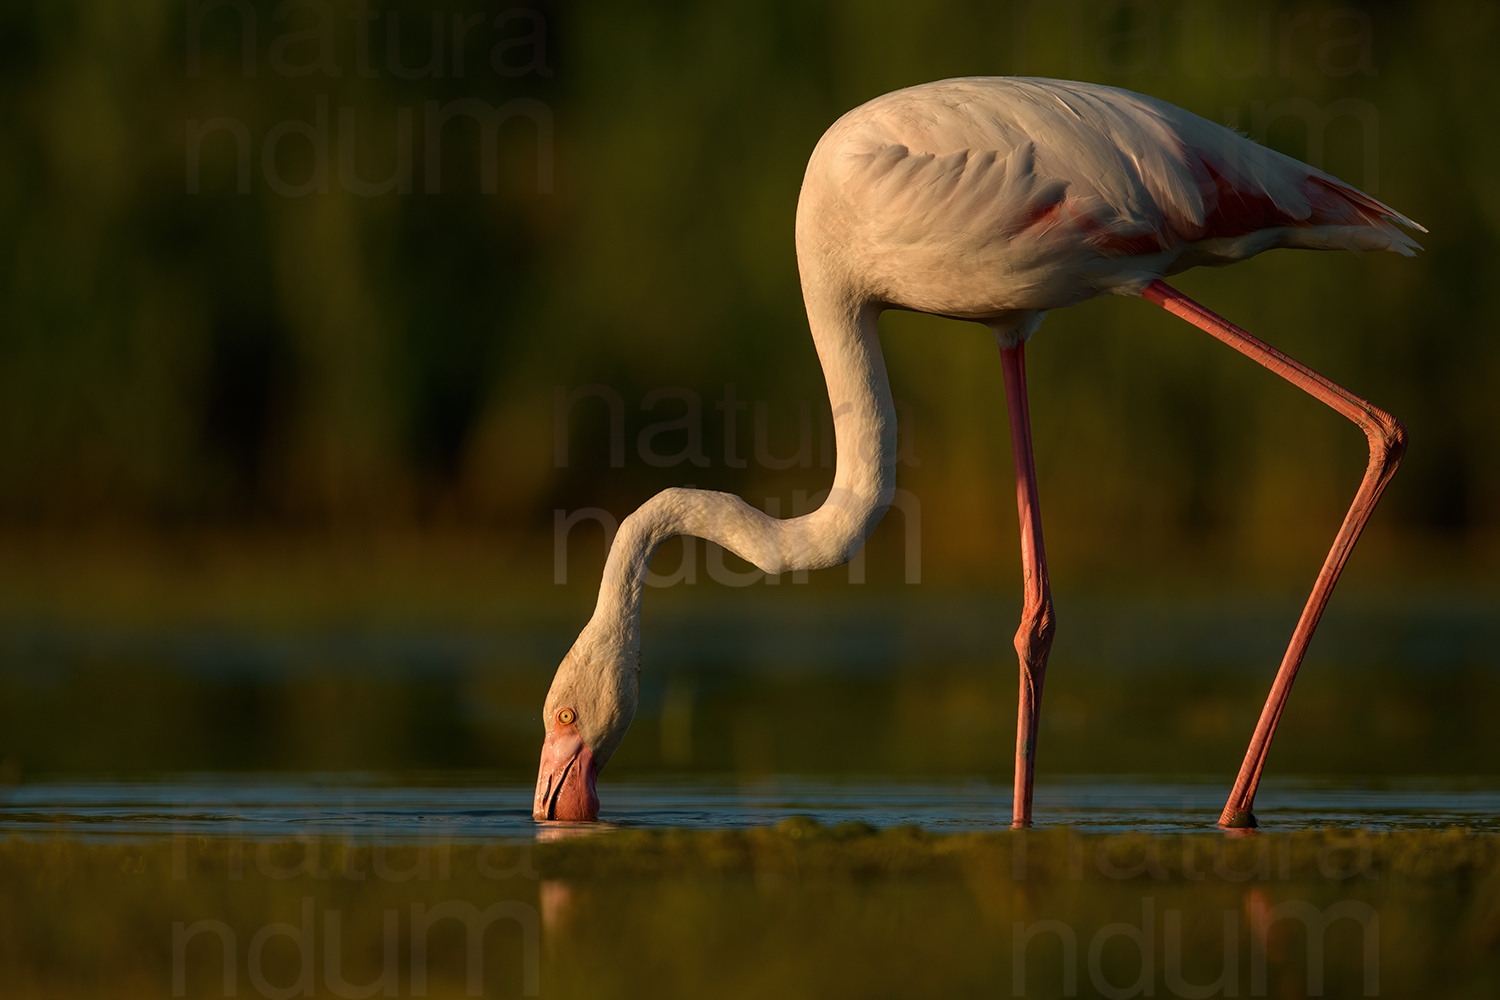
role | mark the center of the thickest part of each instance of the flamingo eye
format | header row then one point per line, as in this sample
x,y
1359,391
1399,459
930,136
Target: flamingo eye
x,y
566,717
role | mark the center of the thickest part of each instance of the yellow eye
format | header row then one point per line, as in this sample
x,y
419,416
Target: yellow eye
x,y
565,717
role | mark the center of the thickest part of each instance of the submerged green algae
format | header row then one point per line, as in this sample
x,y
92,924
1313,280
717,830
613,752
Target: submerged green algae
x,y
792,910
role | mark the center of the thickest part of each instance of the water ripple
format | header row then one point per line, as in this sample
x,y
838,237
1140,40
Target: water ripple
x,y
365,808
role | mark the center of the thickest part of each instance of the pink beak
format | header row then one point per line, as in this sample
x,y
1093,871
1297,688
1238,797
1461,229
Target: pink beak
x,y
565,781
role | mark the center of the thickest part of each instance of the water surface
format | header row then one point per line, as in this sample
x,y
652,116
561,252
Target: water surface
x,y
459,807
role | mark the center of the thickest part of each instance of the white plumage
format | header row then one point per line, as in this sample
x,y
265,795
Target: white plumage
x,y
982,198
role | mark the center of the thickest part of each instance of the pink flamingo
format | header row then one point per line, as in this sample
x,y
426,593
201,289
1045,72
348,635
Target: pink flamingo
x,y
992,200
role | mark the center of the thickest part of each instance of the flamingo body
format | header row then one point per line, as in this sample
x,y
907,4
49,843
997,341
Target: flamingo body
x,y
998,198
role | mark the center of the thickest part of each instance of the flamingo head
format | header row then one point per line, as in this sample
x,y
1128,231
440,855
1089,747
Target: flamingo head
x,y
588,709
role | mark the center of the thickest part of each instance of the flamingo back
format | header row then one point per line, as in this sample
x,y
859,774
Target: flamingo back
x,y
991,197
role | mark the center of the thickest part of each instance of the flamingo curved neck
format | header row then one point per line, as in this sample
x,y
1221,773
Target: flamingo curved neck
x,y
846,333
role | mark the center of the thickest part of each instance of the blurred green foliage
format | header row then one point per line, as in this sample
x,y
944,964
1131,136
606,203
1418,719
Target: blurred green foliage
x,y
379,364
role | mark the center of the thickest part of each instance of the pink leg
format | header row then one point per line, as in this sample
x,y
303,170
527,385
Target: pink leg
x,y
1034,638
1387,443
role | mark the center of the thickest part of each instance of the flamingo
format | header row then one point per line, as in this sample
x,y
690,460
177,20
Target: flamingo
x,y
990,199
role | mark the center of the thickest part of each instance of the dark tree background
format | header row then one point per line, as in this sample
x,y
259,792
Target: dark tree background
x,y
211,326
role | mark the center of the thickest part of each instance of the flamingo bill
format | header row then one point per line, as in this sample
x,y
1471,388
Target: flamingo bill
x,y
565,780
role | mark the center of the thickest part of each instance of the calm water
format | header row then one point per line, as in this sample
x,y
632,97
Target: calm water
x,y
364,807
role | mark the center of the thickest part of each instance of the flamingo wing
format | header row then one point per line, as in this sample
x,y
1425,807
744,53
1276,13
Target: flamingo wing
x,y
1088,167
